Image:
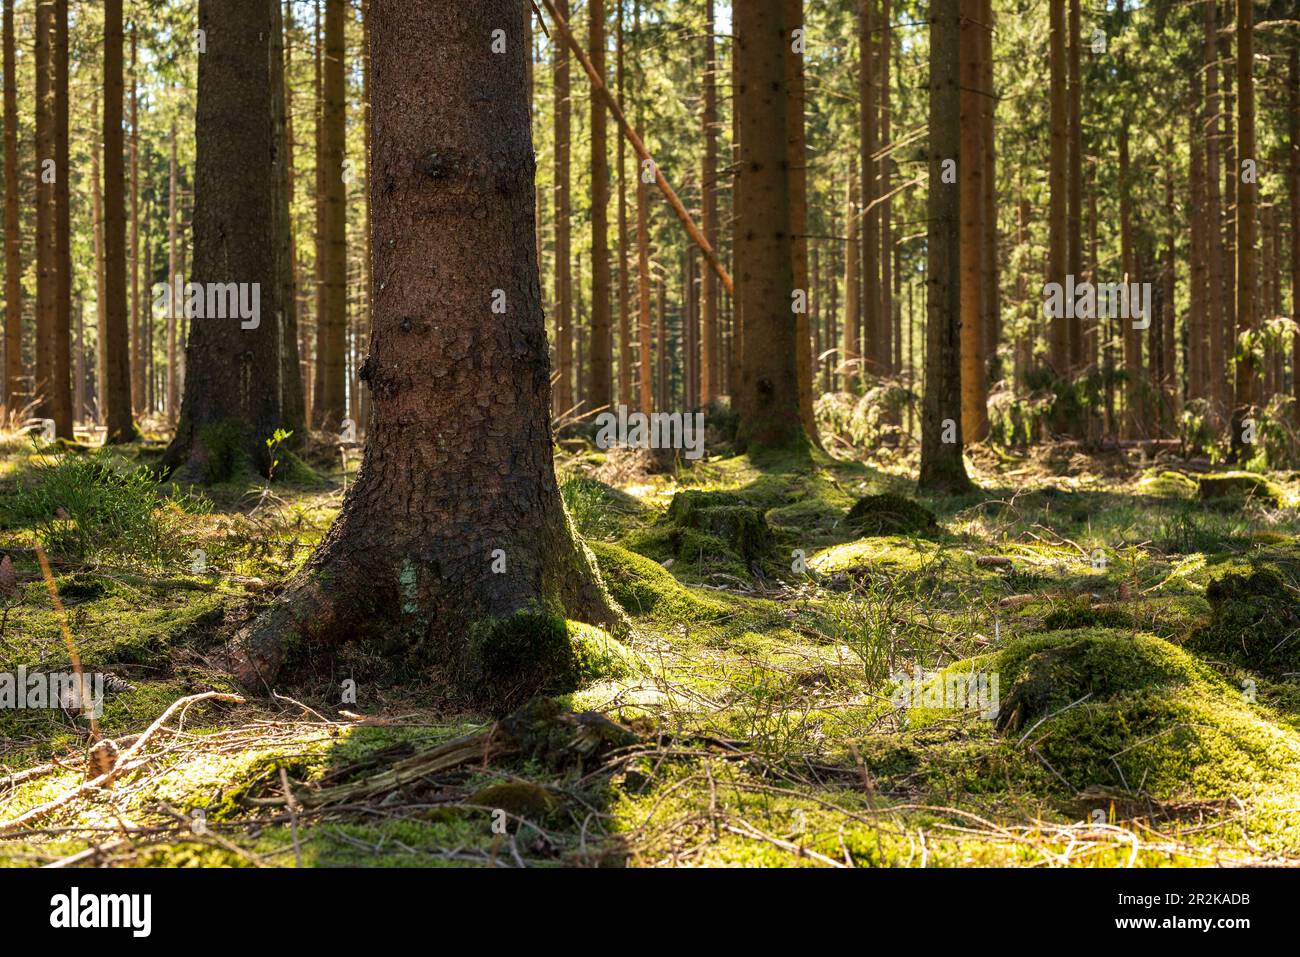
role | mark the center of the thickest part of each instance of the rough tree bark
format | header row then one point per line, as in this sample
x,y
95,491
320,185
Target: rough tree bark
x,y
330,395
600,382
458,478
1247,388
768,396
709,377
942,466
1056,219
292,407
231,404
564,399
62,384
974,383
116,343
13,236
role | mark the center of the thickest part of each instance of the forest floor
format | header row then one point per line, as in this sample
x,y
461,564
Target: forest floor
x,y
1095,660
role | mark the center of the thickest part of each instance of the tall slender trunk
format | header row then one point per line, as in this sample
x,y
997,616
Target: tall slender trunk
x,y
1293,141
292,408
564,398
330,399
13,335
47,173
709,368
1247,388
601,353
797,161
1216,313
624,280
97,226
848,358
870,168
116,343
1057,213
942,466
1194,369
1132,344
1074,213
367,260
887,250
62,391
974,386
174,279
137,342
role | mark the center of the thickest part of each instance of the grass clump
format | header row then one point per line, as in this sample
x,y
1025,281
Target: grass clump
x,y
890,514
81,508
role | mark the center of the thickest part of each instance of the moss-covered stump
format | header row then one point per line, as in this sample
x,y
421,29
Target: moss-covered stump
x,y
1256,622
890,514
1235,488
742,527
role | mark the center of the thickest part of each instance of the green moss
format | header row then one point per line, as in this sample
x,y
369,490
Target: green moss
x,y
1231,489
1164,483
221,450
890,514
1256,621
643,587
725,517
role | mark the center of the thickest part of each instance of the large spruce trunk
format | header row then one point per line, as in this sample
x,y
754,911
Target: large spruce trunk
x,y
231,403
455,516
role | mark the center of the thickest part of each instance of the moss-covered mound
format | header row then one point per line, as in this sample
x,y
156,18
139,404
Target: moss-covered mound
x,y
1105,709
1165,483
1256,621
890,514
642,587
1236,488
535,651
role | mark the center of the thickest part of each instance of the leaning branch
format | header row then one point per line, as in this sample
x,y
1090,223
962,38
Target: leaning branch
x,y
598,85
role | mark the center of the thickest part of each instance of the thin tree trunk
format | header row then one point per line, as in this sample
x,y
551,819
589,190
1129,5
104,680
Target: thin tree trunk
x,y
1247,388
137,343
1216,313
563,215
116,343
709,367
1293,141
797,159
942,466
1194,369
47,173
870,167
852,350
97,225
293,411
330,401
1074,214
13,236
1129,334
174,280
886,229
974,388
1057,215
624,280
601,383
62,405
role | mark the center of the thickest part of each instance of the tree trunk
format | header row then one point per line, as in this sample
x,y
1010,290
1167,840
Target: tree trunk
x,y
1057,213
173,278
850,354
1129,335
942,466
709,367
1194,368
1074,214
797,162
116,345
1293,141
330,399
62,385
974,383
887,250
870,167
768,406
137,341
47,172
13,236
600,350
624,280
1216,313
231,404
1247,388
437,534
564,398
292,411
